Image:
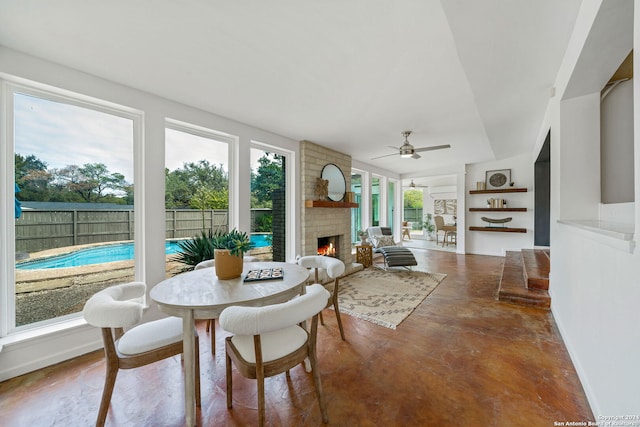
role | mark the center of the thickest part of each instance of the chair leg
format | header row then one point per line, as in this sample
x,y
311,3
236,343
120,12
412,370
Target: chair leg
x,y
337,310
318,385
261,405
208,325
321,319
229,382
109,383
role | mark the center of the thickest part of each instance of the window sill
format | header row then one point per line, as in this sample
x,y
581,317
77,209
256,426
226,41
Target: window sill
x,y
36,333
615,234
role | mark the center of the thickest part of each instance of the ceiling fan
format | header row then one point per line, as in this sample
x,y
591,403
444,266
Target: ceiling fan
x,y
407,150
414,185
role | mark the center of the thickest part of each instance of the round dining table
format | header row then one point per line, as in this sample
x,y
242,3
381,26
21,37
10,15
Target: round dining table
x,y
198,294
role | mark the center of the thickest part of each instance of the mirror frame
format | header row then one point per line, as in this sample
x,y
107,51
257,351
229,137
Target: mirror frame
x,y
328,173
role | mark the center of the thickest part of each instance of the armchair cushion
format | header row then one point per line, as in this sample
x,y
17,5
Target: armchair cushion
x,y
150,336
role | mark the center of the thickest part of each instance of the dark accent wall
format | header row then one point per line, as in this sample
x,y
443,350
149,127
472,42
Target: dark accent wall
x,y
542,195
279,225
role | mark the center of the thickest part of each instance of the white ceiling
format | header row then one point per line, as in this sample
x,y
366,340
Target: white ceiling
x,y
350,74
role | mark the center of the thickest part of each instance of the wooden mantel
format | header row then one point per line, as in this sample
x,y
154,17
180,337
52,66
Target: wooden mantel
x,y
328,204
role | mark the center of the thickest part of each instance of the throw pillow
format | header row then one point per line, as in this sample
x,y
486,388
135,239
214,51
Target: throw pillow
x,y
382,241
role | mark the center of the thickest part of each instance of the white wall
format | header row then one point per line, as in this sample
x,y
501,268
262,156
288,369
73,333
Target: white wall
x,y
495,243
616,112
595,278
20,354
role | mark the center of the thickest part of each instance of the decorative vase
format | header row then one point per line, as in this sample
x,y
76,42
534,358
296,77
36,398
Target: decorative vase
x,y
227,266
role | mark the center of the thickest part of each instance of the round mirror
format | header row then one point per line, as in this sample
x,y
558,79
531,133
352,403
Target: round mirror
x,y
337,183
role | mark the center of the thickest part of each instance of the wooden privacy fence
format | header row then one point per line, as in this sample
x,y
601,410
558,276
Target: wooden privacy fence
x,y
38,230
414,215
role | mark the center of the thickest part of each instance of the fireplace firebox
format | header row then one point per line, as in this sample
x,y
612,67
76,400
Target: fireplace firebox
x,y
329,246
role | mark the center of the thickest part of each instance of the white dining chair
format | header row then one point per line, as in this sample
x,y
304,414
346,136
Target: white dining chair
x,y
118,307
334,268
270,340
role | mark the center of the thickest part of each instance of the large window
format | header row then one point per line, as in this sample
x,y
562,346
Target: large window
x,y
391,204
268,204
196,186
375,201
356,213
74,204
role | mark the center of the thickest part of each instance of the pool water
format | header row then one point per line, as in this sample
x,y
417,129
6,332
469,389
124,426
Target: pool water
x,y
111,253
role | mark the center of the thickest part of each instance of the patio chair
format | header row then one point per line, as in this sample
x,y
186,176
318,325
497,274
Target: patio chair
x,y
118,307
269,340
394,255
448,230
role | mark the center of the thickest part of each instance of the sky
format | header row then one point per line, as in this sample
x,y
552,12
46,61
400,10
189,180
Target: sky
x,y
61,134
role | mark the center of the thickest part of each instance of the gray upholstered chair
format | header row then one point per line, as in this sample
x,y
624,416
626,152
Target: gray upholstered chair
x,y
211,323
334,268
270,340
118,307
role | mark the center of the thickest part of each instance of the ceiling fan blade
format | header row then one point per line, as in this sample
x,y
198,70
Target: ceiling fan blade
x,y
435,147
415,155
386,155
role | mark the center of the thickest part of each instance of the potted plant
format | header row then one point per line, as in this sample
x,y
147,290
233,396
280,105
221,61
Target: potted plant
x,y
229,248
226,248
428,225
363,235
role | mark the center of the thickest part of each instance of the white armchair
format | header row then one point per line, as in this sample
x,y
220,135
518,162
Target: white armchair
x,y
269,340
119,307
334,268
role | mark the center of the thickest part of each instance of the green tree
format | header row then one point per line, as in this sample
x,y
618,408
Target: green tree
x,y
92,182
32,177
182,184
413,199
268,178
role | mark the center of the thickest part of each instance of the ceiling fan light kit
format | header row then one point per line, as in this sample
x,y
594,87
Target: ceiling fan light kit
x,y
406,150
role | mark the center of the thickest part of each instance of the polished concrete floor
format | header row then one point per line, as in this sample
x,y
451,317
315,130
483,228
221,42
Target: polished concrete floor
x,y
460,359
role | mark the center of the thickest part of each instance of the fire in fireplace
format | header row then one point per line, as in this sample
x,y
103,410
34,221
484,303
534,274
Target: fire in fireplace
x,y
328,246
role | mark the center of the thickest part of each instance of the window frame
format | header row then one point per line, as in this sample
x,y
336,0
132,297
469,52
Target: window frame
x,y
9,86
290,191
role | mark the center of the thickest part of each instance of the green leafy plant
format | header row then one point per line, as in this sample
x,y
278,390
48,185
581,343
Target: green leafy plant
x,y
201,248
194,251
362,233
427,224
237,242
264,223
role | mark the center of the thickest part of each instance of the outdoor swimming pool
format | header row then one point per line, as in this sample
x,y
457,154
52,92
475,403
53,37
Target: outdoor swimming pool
x,y
110,253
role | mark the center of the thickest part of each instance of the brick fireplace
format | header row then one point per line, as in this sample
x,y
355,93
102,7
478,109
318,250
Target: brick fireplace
x,y
323,222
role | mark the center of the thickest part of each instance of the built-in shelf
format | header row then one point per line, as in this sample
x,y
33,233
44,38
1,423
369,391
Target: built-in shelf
x,y
499,229
501,190
328,204
497,209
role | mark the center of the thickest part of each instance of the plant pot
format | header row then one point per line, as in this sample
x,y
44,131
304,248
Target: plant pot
x,y
227,266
